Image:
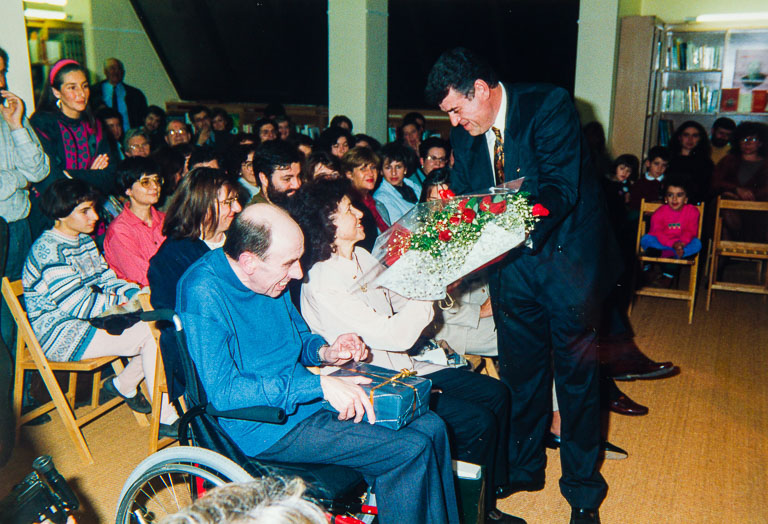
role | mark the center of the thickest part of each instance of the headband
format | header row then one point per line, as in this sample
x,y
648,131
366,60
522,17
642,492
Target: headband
x,y
57,67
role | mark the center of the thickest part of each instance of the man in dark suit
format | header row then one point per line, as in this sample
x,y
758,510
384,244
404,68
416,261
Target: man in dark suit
x,y
130,102
546,296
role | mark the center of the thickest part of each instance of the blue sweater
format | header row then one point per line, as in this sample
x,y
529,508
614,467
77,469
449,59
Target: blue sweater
x,y
249,350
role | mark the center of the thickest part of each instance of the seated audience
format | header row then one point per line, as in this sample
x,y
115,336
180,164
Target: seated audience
x,y
690,156
248,342
267,500
410,132
303,143
204,157
199,215
285,128
66,282
73,139
361,166
154,125
222,125
277,165
396,193
200,116
334,300
342,121
722,129
240,167
434,153
136,143
177,132
648,186
265,130
743,175
136,234
367,141
334,140
112,121
321,164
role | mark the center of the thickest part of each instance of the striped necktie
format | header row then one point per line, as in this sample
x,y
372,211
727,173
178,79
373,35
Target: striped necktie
x,y
498,157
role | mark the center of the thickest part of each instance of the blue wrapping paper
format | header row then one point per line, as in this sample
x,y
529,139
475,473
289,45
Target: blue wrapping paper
x,y
396,402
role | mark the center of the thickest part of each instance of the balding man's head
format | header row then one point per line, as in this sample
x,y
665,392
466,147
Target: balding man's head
x,y
264,246
114,70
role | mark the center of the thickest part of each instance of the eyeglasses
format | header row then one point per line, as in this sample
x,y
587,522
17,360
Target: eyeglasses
x,y
228,202
177,132
149,181
438,159
750,139
136,147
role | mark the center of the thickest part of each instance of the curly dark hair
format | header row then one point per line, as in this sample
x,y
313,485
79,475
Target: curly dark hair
x,y
458,69
313,207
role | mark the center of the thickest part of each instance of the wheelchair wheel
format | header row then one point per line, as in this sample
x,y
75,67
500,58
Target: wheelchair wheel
x,y
172,479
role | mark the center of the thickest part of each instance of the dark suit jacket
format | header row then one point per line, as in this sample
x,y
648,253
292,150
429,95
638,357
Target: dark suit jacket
x,y
575,253
134,100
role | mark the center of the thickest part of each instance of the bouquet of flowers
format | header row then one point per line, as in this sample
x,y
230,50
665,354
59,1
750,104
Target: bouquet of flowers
x,y
439,242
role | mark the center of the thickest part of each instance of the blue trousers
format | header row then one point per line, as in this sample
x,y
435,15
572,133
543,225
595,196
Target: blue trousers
x,y
409,469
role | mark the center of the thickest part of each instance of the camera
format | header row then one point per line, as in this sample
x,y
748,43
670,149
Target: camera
x,y
43,494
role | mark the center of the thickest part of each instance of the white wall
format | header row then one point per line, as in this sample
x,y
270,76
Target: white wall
x,y
13,38
112,29
679,11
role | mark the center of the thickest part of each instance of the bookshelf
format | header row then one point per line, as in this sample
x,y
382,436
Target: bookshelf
x,y
49,41
696,73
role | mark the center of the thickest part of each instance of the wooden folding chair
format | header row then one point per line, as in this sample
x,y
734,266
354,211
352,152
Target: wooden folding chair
x,y
689,294
160,387
30,356
483,365
756,251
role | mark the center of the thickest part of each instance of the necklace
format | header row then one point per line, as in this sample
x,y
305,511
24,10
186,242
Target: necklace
x,y
363,287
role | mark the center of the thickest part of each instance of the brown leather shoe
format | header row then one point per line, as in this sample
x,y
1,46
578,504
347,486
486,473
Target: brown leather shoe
x,y
623,405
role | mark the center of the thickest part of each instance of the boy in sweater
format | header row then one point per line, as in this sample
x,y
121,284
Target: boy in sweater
x,y
649,186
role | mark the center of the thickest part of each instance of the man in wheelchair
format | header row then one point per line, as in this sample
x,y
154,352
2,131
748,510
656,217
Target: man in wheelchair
x,y
251,347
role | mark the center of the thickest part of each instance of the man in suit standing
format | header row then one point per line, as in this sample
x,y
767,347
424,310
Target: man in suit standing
x,y
546,296
112,92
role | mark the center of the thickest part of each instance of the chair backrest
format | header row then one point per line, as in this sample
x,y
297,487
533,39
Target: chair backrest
x,y
737,205
12,292
649,208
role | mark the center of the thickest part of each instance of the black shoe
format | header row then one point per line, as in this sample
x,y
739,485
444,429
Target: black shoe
x,y
503,492
611,452
169,430
585,516
496,515
138,402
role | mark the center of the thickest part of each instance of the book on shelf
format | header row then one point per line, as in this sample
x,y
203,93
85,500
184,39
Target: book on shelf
x,y
729,99
689,56
696,98
759,100
745,103
665,131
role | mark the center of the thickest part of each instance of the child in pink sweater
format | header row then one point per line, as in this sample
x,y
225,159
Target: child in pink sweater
x,y
674,226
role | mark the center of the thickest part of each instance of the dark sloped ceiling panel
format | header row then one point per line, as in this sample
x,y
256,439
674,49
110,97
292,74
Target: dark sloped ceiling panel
x,y
242,50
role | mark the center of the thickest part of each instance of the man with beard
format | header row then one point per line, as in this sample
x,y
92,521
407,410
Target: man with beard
x,y
722,130
278,167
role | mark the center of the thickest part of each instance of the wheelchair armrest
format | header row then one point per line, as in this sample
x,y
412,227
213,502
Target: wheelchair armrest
x,y
157,314
265,414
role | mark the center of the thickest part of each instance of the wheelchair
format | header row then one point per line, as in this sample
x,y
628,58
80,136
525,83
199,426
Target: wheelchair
x,y
175,477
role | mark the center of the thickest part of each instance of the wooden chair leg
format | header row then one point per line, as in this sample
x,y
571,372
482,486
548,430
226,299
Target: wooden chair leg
x,y
18,393
95,389
72,389
712,278
117,365
490,368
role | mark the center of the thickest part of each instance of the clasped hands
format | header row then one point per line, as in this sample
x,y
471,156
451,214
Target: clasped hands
x,y
345,393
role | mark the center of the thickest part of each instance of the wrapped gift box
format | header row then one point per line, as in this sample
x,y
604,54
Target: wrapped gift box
x,y
397,397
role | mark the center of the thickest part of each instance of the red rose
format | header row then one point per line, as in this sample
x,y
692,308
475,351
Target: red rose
x,y
485,203
398,243
468,215
446,194
455,219
445,235
539,211
498,208
463,203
